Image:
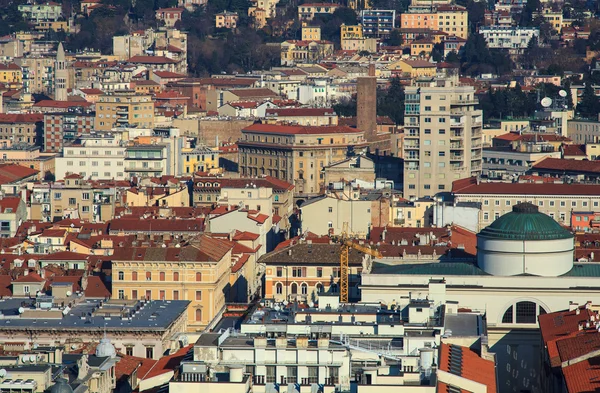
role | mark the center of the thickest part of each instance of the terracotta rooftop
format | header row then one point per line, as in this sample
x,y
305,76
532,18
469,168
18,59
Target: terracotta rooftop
x,y
9,204
10,173
468,365
557,164
300,130
470,186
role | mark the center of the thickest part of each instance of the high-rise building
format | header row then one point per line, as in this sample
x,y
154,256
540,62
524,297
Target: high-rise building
x,y
123,108
60,74
442,136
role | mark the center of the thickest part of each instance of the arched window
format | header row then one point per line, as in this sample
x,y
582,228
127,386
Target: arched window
x,y
175,276
198,276
276,198
508,315
134,276
319,288
294,288
525,312
121,276
198,314
278,288
304,289
162,276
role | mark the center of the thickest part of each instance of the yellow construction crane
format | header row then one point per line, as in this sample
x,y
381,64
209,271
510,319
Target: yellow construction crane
x,y
344,276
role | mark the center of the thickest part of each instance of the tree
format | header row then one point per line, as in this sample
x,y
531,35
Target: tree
x,y
589,107
390,102
395,38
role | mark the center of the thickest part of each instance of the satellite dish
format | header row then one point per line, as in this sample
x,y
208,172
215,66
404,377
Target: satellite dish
x,y
285,303
2,373
562,93
21,310
69,293
312,304
546,102
35,346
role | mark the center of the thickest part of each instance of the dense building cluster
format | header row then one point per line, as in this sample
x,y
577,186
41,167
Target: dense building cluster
x,y
269,196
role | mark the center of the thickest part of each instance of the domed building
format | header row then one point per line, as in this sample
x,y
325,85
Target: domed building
x,y
525,241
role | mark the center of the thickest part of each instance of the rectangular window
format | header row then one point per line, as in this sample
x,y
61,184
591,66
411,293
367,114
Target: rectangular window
x,y
149,352
292,374
279,271
313,374
121,294
72,201
271,377
198,295
175,295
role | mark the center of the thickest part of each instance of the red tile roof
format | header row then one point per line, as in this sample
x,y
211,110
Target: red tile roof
x,y
246,93
584,376
557,164
151,60
31,277
156,225
21,118
240,263
61,104
167,363
246,236
300,112
574,150
469,186
10,173
168,74
300,130
472,366
10,203
5,285
92,91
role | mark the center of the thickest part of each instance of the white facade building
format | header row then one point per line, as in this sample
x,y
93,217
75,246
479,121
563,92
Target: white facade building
x,y
95,156
515,39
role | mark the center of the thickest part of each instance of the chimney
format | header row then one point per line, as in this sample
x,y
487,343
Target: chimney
x,y
371,69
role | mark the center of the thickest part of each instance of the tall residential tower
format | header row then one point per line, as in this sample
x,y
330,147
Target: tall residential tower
x,y
442,136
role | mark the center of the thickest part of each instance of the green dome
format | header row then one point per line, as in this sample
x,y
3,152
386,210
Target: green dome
x,y
525,222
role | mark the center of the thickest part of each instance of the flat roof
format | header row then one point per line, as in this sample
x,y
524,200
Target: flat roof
x,y
95,314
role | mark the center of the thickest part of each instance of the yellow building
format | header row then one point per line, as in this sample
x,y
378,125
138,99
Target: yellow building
x,y
123,108
413,68
11,75
453,19
414,214
421,48
295,154
348,32
199,159
311,33
298,52
199,273
555,19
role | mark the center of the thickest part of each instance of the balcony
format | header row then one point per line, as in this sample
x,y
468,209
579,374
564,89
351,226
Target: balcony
x,y
456,146
456,157
122,120
465,102
456,135
399,222
414,146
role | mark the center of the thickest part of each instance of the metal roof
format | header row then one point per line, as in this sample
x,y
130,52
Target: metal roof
x,y
525,222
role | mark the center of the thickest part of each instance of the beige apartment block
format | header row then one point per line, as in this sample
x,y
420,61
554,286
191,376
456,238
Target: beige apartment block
x,y
442,136
198,273
72,198
296,154
124,108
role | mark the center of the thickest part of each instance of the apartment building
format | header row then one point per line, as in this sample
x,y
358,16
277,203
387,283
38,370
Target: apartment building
x,y
38,73
304,269
154,159
442,136
352,38
450,19
297,52
558,200
378,23
296,154
514,39
198,159
11,76
13,211
93,156
311,33
74,198
124,108
169,15
48,11
198,273
64,128
25,127
304,116
226,20
307,12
